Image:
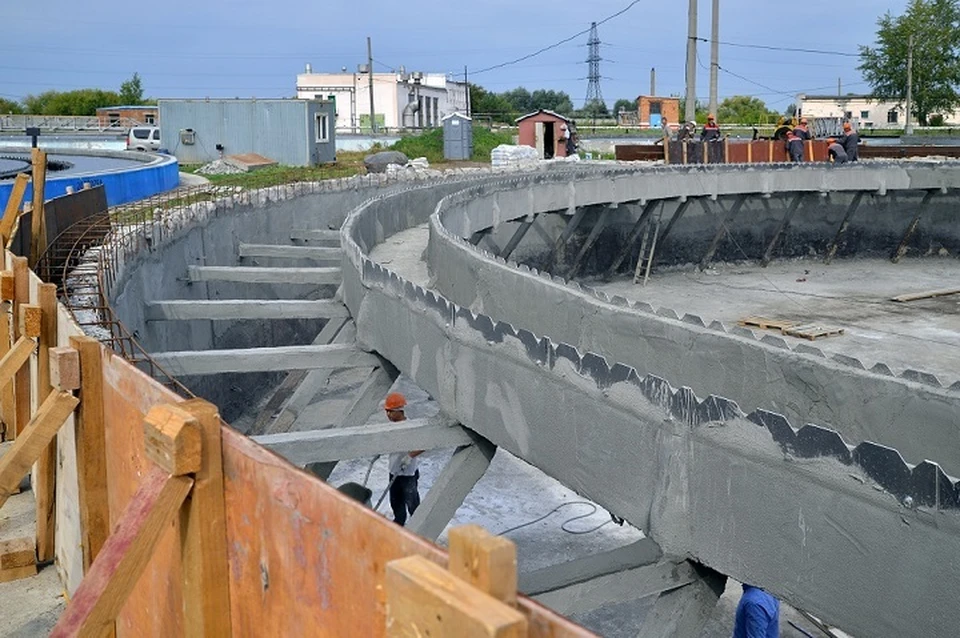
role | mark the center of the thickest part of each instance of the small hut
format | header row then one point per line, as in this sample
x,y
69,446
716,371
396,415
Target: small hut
x,y
545,131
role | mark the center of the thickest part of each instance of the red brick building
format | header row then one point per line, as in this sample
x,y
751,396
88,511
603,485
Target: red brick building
x,y
650,110
127,116
545,131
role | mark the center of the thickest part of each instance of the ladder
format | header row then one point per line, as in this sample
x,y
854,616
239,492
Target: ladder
x,y
645,259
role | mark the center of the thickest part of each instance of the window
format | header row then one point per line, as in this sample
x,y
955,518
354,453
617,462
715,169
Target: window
x,y
848,115
323,131
156,134
892,116
114,118
141,133
149,118
864,115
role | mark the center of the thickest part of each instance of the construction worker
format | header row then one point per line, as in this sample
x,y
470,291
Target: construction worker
x,y
710,132
758,614
794,146
802,131
850,140
687,131
404,467
836,152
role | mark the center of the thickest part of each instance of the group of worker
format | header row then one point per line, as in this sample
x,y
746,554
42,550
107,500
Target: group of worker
x,y
687,132
840,150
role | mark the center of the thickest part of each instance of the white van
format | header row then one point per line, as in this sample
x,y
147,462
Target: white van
x,y
143,138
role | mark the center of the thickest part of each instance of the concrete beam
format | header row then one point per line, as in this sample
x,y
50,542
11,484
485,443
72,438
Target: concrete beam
x,y
323,236
644,552
621,587
256,275
684,611
301,448
588,244
851,211
291,252
186,310
634,235
782,226
197,362
462,472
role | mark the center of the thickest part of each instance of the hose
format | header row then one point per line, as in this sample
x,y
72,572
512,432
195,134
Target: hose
x,y
563,525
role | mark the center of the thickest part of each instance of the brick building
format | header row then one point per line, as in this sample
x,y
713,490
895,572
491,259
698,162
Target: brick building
x,y
651,109
127,116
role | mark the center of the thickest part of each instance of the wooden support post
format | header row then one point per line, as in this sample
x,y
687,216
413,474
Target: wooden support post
x,y
912,228
7,405
103,592
684,152
726,150
18,559
770,151
721,231
33,440
592,238
91,451
21,383
38,227
203,534
633,236
517,237
12,210
487,562
45,483
749,152
784,223
851,209
15,358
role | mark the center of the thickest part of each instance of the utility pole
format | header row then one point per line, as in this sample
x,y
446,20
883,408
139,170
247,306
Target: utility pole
x,y
373,114
466,88
839,87
714,55
690,112
908,125
653,82
594,95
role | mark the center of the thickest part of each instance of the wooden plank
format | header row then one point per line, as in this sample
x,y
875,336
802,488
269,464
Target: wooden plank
x,y
424,599
16,358
812,331
12,210
929,294
766,324
104,590
30,320
203,534
486,562
45,481
38,229
18,552
22,380
275,359
258,275
91,451
171,439
64,368
32,440
7,400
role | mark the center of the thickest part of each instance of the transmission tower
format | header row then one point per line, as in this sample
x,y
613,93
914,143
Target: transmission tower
x,y
593,61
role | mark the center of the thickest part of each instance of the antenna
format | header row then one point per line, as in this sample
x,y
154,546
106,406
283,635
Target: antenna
x,y
593,60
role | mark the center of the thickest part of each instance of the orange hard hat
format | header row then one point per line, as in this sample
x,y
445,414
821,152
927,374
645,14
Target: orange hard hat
x,y
803,120
847,126
394,401
710,117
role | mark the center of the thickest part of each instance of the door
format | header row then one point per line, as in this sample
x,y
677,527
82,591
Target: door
x,y
538,139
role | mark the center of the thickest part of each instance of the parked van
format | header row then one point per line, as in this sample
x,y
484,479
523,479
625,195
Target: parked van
x,y
143,138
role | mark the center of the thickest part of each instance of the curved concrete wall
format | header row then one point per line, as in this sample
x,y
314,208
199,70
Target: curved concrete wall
x,y
912,413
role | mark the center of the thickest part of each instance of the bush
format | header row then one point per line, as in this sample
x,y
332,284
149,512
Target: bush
x,y
936,120
429,144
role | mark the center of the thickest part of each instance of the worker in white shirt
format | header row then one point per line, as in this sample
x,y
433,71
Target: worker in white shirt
x,y
404,467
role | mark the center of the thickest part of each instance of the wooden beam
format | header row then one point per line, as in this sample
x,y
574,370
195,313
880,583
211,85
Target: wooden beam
x,y
943,292
517,237
463,470
203,534
15,358
308,234
643,552
423,599
189,310
633,236
22,380
564,237
38,227
277,359
33,440
319,253
784,224
722,229
18,558
336,444
912,228
257,275
12,210
684,611
45,481
103,592
91,451
64,368
851,210
592,238
486,562
7,399
171,439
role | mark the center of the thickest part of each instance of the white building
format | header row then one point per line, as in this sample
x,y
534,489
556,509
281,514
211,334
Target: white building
x,y
864,110
400,100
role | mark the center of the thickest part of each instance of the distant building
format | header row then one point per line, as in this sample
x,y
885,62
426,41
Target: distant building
x,y
127,116
401,100
863,110
291,132
651,109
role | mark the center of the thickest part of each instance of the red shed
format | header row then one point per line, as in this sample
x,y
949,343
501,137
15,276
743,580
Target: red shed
x,y
545,131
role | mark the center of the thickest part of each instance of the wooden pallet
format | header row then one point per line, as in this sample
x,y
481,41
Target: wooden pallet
x,y
813,331
767,324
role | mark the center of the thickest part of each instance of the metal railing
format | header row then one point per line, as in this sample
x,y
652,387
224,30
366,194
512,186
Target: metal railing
x,y
91,123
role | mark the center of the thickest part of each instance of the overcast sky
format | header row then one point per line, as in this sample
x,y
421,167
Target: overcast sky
x,y
244,48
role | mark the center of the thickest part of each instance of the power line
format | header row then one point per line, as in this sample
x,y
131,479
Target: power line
x,y
767,47
559,43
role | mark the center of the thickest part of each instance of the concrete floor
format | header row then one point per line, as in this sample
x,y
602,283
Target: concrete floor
x,y
852,294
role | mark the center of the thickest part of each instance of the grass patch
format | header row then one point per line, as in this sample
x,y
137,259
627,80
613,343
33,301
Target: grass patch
x,y
430,144
347,165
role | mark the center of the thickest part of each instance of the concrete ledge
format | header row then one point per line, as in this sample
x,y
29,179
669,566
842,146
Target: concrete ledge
x,y
184,310
278,359
255,275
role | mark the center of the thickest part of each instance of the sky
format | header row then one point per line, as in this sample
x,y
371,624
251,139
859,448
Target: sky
x,y
244,48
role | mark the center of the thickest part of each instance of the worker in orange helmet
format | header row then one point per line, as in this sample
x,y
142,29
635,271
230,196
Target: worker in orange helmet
x,y
711,131
850,140
802,131
836,152
404,467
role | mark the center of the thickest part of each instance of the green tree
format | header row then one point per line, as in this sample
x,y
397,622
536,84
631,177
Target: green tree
x,y
624,105
9,106
742,109
556,101
520,100
934,26
483,102
131,91
594,108
79,102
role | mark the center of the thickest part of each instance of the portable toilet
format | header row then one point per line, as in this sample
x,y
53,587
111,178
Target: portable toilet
x,y
457,137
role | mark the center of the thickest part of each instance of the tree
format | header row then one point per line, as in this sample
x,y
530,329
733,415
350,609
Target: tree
x,y
742,109
520,100
79,102
131,91
8,107
556,101
483,102
934,26
594,108
624,105
791,110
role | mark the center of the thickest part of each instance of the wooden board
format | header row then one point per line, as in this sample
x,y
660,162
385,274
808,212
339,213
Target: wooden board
x,y
766,324
813,331
926,295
